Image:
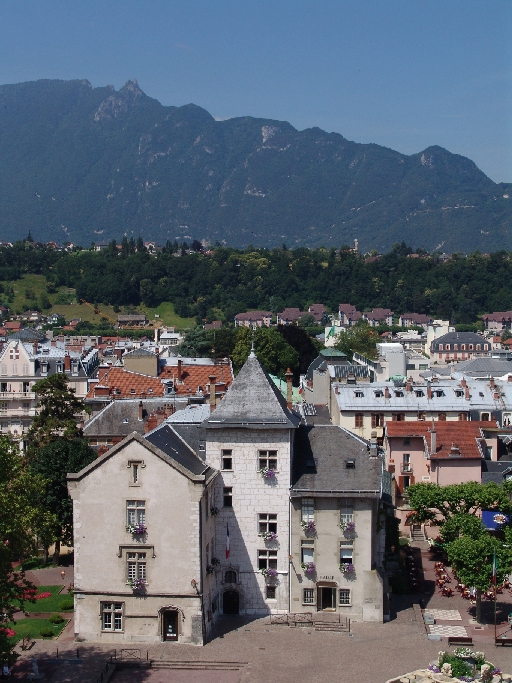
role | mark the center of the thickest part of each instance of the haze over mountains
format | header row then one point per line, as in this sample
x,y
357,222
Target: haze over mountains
x,y
90,164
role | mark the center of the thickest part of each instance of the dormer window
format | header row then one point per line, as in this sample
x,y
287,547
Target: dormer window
x,y
440,347
150,390
399,394
463,347
459,393
44,367
60,366
447,347
419,393
358,394
439,393
471,347
455,347
132,391
379,394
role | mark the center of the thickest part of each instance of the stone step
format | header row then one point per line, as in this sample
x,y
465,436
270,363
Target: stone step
x,y
331,627
196,665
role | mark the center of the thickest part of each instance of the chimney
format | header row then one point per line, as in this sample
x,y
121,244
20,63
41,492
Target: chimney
x,y
289,392
386,392
102,371
141,410
433,440
180,364
468,396
35,348
53,342
454,451
435,378
496,395
491,383
429,391
373,445
150,424
463,383
391,466
408,386
212,379
509,378
67,363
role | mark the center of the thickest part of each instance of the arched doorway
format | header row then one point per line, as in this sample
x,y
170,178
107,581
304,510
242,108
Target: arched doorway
x,y
170,624
231,602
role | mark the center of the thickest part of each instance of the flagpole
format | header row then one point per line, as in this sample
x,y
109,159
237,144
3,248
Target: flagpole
x,y
494,572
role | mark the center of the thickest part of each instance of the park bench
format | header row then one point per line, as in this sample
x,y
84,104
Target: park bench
x,y
503,641
26,643
460,640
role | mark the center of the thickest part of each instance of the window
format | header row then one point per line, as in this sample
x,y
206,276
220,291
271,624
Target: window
x,y
447,347
407,462
135,512
227,460
440,347
307,551
378,394
266,523
442,417
463,417
419,393
267,459
230,576
344,596
3,369
406,482
358,420
439,393
15,368
486,347
26,407
359,394
377,420
407,441
135,566
423,366
463,347
14,353
112,616
478,346
398,417
346,512
346,552
485,417
308,510
25,369
3,406
455,347
459,393
271,592
399,394
308,596
267,559
228,496
135,473
471,347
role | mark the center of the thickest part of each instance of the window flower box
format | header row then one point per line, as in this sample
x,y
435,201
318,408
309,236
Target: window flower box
x,y
308,567
215,562
137,585
347,568
137,529
269,573
214,511
268,536
267,473
308,526
347,527
209,569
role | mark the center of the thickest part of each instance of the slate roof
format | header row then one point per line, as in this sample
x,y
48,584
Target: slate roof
x,y
495,471
483,367
320,455
459,338
254,401
140,353
466,435
121,418
171,443
29,334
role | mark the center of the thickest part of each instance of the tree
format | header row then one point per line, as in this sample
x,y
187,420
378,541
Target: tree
x,y
472,559
270,347
196,343
56,410
440,503
360,338
53,462
22,520
301,342
223,341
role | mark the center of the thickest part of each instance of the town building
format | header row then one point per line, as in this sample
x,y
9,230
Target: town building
x,y
498,321
319,312
132,320
253,319
289,316
458,346
379,316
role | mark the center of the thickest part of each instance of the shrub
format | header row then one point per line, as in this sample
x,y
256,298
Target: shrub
x,y
47,632
56,619
459,666
66,604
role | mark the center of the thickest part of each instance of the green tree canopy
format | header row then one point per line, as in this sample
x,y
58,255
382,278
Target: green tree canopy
x,y
360,338
57,409
196,344
53,462
270,347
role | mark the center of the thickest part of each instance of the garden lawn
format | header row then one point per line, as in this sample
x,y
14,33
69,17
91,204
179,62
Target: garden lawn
x,y
51,604
32,627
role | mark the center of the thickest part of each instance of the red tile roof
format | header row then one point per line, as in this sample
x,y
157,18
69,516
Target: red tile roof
x,y
194,376
122,383
463,435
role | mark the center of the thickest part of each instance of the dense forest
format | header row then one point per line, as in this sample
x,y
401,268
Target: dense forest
x,y
225,281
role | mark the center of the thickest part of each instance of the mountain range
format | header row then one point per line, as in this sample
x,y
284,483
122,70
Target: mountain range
x,y
86,164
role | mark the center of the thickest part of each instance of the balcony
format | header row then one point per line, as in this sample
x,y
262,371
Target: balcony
x,y
406,468
17,395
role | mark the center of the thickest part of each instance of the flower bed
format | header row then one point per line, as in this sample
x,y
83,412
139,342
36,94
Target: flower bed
x,y
48,600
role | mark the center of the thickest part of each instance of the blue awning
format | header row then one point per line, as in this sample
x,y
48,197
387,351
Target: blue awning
x,y
493,519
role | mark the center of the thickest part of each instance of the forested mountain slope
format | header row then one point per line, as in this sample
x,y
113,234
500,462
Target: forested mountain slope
x,y
88,164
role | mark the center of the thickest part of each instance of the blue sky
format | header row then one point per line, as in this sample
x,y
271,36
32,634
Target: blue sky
x,y
401,73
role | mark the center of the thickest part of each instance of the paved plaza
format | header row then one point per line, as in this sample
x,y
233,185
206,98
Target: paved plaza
x,y
261,652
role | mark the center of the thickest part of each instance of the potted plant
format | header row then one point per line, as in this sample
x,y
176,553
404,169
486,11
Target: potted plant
x,y
269,572
268,536
347,568
308,567
347,527
137,585
138,529
308,526
215,562
267,473
214,511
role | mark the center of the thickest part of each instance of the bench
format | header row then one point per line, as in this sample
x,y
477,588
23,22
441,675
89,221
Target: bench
x,y
26,643
460,640
503,641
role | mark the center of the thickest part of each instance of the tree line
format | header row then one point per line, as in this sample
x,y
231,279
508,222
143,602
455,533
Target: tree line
x,y
223,281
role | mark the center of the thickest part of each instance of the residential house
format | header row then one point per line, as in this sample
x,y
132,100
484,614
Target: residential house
x,y
289,316
253,319
379,316
415,320
132,319
336,555
319,312
348,315
458,346
498,321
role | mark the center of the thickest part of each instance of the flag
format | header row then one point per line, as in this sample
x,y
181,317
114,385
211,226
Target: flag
x,y
227,541
494,566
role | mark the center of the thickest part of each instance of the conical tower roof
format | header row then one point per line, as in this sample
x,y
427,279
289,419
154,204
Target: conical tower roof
x,y
253,401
